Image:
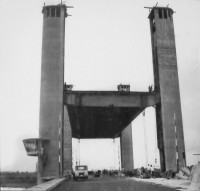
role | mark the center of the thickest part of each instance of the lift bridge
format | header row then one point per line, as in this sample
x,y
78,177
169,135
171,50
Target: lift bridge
x,y
65,113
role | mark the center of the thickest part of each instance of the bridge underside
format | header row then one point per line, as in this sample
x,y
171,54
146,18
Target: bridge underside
x,y
104,114
100,122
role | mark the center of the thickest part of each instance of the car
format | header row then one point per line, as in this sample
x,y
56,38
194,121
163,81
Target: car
x,y
97,173
81,172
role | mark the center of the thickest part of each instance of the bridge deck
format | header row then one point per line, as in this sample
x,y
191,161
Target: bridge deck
x,y
104,114
110,184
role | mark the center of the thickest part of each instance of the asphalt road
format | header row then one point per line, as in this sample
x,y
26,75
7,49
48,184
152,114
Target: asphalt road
x,y
110,184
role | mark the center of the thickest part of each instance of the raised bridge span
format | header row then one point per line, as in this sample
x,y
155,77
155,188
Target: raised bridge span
x,y
65,114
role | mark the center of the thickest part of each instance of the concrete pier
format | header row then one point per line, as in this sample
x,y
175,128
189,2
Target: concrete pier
x,y
67,139
126,143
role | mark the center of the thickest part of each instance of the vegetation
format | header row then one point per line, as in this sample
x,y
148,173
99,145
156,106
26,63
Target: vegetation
x,y
18,179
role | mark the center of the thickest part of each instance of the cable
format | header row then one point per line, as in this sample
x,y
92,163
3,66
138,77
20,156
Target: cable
x,y
155,146
145,139
119,157
76,154
79,152
114,152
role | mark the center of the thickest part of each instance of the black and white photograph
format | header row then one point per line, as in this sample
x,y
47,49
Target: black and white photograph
x,y
100,95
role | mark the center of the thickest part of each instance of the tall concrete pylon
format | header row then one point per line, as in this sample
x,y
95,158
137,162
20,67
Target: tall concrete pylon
x,y
51,91
168,113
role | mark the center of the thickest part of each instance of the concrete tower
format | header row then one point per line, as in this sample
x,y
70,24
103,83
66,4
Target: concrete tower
x,y
50,164
168,112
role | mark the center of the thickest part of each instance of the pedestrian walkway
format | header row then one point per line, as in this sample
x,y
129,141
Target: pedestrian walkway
x,y
172,183
47,186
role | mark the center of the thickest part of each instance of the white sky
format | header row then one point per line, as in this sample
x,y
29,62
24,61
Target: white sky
x,y
107,43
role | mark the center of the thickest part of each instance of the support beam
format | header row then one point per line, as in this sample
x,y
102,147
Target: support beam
x,y
111,99
127,148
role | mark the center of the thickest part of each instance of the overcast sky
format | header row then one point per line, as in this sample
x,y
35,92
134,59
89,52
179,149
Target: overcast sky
x,y
107,43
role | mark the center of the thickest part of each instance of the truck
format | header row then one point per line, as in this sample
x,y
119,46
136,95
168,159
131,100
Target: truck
x,y
80,172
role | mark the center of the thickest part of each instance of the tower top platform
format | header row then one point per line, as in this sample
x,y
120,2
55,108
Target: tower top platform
x,y
49,6
167,11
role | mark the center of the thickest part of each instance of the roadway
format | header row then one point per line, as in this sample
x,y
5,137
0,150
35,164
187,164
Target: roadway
x,y
110,184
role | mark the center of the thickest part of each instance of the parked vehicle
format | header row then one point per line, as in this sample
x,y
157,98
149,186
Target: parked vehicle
x,y
81,172
97,173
